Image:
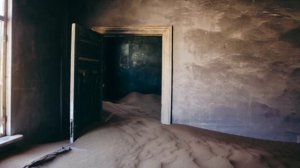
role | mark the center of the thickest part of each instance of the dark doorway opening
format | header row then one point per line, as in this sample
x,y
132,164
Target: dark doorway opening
x,y
131,64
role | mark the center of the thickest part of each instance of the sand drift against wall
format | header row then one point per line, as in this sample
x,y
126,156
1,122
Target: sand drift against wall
x,y
137,139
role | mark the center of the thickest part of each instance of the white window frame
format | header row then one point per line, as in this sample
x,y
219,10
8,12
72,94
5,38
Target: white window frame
x,y
7,138
6,69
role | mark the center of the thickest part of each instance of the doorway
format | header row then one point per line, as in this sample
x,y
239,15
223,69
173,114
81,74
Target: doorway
x,y
87,62
165,33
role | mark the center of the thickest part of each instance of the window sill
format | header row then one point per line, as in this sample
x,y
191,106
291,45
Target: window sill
x,y
6,140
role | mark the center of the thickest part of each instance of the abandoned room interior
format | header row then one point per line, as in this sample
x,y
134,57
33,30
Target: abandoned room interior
x,y
149,83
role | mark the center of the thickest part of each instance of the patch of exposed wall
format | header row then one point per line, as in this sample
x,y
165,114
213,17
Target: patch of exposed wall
x,y
36,60
236,63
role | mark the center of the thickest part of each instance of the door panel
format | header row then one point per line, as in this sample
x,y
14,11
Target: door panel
x,y
86,79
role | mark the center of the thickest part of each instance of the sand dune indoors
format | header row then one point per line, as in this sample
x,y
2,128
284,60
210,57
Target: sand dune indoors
x,y
137,139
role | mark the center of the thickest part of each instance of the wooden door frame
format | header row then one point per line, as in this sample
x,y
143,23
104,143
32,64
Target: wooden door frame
x,y
166,33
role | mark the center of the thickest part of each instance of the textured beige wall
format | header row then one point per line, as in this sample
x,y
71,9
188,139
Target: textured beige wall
x,y
236,63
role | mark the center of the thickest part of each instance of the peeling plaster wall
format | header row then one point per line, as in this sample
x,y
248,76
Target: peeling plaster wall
x,y
236,63
36,60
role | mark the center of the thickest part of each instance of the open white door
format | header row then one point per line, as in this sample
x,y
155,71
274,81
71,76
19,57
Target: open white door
x,y
85,79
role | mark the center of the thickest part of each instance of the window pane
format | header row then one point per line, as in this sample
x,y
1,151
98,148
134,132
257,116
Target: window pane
x,y
2,2
2,121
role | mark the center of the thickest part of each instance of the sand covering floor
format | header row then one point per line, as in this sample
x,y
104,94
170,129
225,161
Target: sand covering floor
x,y
137,140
